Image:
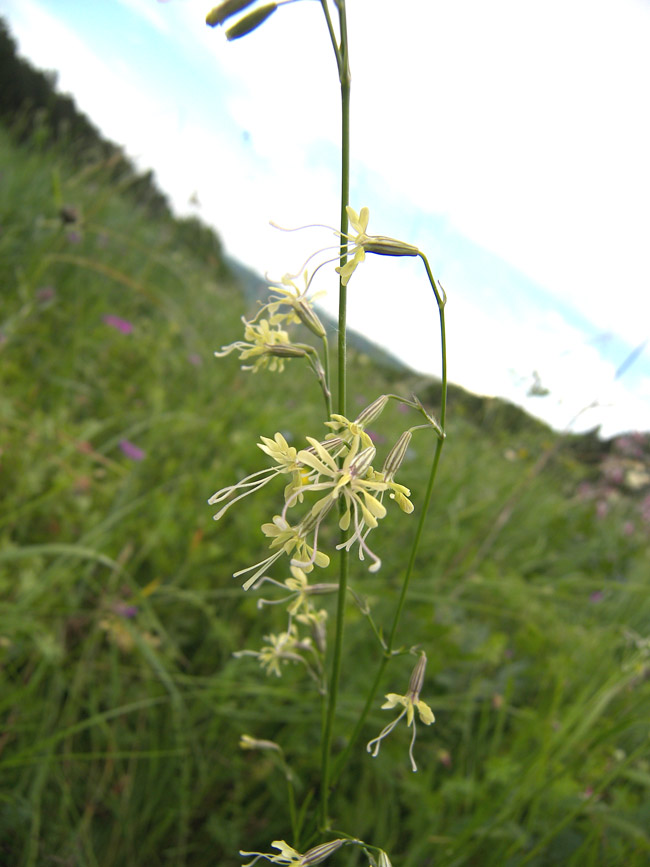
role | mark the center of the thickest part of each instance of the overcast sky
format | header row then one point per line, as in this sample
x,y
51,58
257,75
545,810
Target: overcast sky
x,y
507,139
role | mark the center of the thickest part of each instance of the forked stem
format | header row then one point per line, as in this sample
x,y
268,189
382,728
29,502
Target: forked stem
x,y
440,300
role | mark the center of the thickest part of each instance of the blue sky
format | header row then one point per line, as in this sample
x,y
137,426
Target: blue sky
x,y
508,140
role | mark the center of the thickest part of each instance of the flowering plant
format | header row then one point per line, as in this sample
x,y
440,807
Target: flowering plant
x,y
334,484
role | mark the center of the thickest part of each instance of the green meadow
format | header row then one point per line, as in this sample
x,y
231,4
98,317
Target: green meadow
x,y
121,702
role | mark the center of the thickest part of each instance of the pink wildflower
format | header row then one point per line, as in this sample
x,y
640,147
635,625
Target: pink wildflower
x,y
119,324
132,451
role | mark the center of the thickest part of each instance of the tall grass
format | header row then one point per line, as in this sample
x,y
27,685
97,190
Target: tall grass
x,y
121,702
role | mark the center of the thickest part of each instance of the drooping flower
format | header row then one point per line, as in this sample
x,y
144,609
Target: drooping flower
x,y
268,346
284,456
281,648
288,304
291,540
410,701
247,742
289,857
300,593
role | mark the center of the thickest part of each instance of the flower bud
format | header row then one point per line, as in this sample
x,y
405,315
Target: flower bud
x,y
250,22
370,413
224,10
389,246
417,678
319,853
309,318
396,456
360,465
285,350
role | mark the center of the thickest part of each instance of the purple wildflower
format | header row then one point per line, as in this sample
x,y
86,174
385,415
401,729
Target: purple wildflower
x,y
125,610
119,324
597,596
195,359
132,451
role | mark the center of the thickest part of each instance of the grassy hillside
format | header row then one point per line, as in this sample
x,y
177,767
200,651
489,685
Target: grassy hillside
x,y
122,704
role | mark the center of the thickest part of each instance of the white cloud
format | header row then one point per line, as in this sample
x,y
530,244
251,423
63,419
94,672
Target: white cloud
x,y
522,125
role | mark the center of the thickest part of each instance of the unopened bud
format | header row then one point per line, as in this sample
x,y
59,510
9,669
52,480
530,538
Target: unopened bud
x,y
284,350
360,465
319,634
417,678
307,316
370,413
250,22
319,853
389,246
396,455
224,10
383,860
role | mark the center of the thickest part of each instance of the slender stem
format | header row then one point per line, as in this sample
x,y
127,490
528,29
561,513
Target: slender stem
x,y
440,299
332,34
326,364
344,76
295,832
345,198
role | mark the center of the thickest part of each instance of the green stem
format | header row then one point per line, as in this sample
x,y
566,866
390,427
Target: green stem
x,y
326,364
344,76
440,299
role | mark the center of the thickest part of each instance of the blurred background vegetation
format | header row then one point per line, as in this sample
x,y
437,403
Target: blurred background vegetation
x,y
121,702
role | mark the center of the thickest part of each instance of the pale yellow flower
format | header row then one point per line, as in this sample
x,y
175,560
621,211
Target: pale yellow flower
x,y
281,648
362,243
288,304
354,481
291,540
284,455
409,702
268,346
288,857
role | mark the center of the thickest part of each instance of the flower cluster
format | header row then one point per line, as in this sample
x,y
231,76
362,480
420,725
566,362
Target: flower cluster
x,y
335,471
266,340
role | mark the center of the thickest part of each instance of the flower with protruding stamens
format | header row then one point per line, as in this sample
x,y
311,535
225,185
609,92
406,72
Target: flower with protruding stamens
x,y
285,457
285,647
409,701
300,593
268,346
363,243
289,857
357,245
290,540
297,306
354,481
